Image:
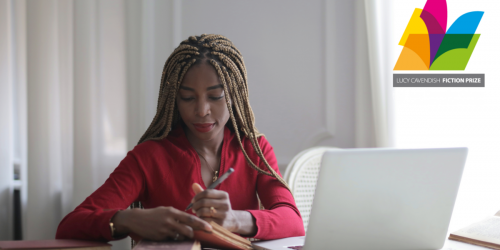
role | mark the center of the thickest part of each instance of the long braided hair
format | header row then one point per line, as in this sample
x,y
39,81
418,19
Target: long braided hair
x,y
227,60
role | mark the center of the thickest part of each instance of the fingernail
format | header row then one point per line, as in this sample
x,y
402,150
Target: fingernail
x,y
208,228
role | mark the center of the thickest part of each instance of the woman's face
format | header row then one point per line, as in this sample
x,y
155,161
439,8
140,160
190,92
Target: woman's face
x,y
202,102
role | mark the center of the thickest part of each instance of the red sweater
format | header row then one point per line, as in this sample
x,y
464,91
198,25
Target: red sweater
x,y
160,173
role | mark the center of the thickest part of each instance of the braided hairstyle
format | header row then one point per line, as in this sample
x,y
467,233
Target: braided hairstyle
x,y
227,60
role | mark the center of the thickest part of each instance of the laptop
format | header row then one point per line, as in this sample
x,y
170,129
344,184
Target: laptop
x,y
381,199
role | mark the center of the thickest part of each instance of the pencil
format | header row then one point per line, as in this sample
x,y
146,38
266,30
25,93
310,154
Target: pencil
x,y
215,184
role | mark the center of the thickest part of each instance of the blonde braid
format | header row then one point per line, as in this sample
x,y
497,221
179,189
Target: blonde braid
x,y
233,120
233,88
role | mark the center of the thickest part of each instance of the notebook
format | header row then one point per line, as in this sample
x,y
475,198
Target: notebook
x,y
171,245
221,238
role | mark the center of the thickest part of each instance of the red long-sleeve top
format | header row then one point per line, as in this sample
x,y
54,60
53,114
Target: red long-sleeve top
x,y
160,173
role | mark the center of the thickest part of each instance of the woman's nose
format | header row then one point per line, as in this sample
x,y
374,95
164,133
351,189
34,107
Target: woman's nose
x,y
202,108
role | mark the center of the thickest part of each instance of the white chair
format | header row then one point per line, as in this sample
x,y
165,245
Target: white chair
x,y
301,175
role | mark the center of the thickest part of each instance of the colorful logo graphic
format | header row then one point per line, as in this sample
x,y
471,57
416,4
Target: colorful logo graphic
x,y
429,46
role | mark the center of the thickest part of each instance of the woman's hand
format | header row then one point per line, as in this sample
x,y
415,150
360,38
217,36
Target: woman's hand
x,y
158,223
214,205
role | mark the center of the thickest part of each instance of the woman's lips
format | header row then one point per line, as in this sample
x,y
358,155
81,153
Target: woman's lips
x,y
203,127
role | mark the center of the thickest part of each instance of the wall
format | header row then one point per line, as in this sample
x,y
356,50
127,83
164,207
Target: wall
x,y
300,58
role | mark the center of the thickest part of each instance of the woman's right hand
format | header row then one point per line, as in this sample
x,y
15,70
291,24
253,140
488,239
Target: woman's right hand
x,y
158,223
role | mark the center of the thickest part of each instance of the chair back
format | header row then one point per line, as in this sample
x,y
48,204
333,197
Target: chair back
x,y
301,175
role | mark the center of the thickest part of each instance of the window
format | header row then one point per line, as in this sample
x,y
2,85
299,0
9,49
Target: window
x,y
453,117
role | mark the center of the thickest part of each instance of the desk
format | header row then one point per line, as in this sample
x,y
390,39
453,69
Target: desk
x,y
297,241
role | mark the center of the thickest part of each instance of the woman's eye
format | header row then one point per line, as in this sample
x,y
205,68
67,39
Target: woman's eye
x,y
187,98
216,98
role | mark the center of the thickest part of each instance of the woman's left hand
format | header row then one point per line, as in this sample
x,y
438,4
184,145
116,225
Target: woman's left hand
x,y
214,205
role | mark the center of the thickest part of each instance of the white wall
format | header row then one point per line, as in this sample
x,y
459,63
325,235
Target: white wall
x,y
300,57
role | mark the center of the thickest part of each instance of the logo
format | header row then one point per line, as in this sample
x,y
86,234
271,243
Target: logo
x,y
427,45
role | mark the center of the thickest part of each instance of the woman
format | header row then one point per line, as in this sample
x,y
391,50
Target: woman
x,y
203,126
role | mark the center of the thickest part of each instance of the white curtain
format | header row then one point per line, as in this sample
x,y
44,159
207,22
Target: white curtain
x,y
6,116
373,91
79,82
49,106
64,103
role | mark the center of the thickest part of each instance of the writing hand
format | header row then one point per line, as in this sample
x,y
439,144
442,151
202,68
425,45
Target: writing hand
x,y
214,205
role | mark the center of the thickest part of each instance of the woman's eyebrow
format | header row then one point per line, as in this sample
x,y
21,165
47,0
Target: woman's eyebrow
x,y
186,88
209,88
215,87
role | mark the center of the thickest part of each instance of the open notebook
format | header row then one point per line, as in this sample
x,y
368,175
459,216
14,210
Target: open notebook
x,y
171,245
221,238
484,233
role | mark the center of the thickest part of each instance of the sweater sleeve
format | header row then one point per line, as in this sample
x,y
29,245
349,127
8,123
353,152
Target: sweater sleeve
x,y
90,220
281,218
